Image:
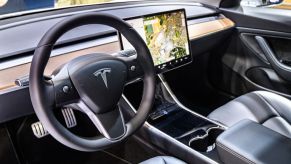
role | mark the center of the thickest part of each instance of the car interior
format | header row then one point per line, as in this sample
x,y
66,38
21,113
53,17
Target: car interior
x,y
151,82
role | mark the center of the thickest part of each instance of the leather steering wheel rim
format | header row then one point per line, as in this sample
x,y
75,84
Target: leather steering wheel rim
x,y
41,98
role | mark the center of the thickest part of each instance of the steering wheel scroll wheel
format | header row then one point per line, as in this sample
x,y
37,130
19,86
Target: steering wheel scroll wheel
x,y
93,83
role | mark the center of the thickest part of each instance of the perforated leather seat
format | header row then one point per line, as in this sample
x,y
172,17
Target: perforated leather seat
x,y
269,109
163,160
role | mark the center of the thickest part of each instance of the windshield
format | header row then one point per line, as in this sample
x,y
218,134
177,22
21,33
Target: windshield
x,y
14,6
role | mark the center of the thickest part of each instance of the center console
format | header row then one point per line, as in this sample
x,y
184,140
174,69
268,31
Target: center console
x,y
174,119
170,119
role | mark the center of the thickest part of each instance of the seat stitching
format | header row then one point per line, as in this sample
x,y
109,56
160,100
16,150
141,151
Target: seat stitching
x,y
235,153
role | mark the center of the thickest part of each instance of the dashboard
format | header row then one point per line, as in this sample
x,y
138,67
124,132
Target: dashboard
x,y
204,26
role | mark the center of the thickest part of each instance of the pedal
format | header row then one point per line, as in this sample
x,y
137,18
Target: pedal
x,y
69,117
38,130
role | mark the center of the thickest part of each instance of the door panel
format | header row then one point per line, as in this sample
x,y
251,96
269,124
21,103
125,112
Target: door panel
x,y
259,54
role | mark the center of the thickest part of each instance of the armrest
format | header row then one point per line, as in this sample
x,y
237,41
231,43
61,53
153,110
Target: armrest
x,y
250,142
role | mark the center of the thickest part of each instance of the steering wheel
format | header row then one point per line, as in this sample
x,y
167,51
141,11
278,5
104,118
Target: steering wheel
x,y
93,82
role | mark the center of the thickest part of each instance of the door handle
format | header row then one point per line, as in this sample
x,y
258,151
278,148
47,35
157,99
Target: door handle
x,y
283,70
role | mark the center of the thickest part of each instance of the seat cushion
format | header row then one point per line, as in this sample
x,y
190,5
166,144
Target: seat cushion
x,y
163,160
269,109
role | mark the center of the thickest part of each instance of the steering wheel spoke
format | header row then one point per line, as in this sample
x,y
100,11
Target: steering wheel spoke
x,y
110,124
134,71
48,95
64,91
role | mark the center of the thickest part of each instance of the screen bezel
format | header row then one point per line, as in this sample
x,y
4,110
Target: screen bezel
x,y
161,68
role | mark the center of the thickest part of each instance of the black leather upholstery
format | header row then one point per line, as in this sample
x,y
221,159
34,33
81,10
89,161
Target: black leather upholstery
x,y
163,160
249,142
266,108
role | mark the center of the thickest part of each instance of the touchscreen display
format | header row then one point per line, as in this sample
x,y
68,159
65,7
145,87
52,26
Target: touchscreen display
x,y
166,36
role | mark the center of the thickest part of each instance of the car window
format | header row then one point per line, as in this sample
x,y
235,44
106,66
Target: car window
x,y
265,3
14,6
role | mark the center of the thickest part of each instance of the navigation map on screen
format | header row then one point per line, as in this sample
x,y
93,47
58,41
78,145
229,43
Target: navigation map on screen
x,y
165,35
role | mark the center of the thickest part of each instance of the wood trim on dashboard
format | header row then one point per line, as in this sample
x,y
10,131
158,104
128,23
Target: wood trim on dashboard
x,y
286,5
9,75
206,28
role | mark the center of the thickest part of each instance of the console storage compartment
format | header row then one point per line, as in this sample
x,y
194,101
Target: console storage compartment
x,y
250,142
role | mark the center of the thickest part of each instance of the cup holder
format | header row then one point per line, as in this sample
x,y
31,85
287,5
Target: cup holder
x,y
206,142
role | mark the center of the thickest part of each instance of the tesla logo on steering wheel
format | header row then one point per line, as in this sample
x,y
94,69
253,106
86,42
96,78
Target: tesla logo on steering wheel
x,y
103,73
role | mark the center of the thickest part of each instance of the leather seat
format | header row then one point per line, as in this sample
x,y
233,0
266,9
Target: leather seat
x,y
163,160
266,108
